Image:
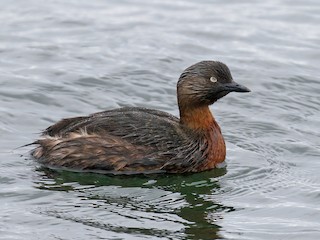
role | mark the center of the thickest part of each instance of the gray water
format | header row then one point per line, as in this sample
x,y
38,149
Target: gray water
x,y
68,58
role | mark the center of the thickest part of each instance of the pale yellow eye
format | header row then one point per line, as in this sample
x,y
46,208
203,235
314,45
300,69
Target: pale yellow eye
x,y
213,79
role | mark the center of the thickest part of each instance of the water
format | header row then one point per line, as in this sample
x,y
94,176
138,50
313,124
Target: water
x,y
69,58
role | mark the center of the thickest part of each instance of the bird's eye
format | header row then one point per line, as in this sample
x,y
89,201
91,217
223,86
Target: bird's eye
x,y
213,79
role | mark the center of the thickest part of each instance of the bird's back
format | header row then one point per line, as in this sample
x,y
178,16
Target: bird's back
x,y
125,139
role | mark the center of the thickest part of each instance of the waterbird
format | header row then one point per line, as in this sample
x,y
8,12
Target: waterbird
x,y
132,140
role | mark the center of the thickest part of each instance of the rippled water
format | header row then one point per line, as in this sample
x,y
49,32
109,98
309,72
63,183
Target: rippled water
x,y
68,58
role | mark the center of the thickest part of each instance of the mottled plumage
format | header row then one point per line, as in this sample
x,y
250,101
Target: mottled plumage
x,y
140,140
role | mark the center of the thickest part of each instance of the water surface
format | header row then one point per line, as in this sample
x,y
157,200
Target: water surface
x,y
67,58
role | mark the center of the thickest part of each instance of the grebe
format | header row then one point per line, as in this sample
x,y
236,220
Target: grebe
x,y
141,140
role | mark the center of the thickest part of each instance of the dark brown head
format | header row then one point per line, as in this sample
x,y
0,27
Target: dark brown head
x,y
204,83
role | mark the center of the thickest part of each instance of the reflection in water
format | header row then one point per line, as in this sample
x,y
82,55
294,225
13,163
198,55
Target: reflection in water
x,y
166,205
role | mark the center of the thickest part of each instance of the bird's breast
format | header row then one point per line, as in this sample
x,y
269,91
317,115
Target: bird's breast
x,y
216,148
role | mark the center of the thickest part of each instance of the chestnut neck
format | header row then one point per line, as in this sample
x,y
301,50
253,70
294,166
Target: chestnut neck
x,y
197,117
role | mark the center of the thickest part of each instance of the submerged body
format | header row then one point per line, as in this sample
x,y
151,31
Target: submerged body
x,y
140,140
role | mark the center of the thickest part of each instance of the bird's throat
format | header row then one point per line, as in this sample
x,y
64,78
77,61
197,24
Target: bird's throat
x,y
197,118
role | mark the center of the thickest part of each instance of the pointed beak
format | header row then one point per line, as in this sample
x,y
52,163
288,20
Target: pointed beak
x,y
235,87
